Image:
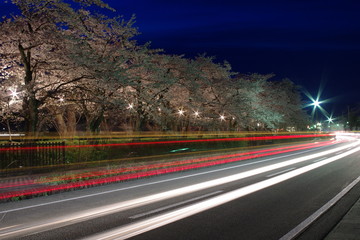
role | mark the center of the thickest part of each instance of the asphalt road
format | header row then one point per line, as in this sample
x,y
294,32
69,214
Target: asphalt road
x,y
263,198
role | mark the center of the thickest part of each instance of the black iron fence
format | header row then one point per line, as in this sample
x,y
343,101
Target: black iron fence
x,y
24,155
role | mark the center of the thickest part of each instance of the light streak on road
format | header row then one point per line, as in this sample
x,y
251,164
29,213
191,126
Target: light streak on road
x,y
113,208
143,226
191,164
98,173
157,182
172,163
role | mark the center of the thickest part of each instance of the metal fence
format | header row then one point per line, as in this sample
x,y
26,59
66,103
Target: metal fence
x,y
23,155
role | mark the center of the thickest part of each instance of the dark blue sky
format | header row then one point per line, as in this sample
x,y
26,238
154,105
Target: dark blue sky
x,y
310,42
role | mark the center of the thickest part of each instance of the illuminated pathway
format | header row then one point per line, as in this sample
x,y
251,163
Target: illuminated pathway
x,y
263,198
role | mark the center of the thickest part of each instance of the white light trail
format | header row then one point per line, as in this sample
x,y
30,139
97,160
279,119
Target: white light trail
x,y
112,208
156,182
143,226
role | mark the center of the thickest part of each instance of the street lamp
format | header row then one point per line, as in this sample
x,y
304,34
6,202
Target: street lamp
x,y
316,103
130,106
330,119
13,93
319,126
181,112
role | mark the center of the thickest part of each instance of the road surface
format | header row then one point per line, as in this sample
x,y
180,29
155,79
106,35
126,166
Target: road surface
x,y
272,197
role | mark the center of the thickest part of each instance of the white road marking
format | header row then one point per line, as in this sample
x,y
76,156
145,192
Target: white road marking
x,y
278,173
318,160
174,205
153,183
146,225
308,221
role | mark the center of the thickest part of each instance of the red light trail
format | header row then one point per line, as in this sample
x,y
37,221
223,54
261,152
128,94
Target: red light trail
x,y
192,164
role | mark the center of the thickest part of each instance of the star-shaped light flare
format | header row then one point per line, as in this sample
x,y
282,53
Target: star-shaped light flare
x,y
316,103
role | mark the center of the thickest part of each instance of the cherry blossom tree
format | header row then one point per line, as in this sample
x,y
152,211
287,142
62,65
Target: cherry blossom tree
x,y
61,64
32,47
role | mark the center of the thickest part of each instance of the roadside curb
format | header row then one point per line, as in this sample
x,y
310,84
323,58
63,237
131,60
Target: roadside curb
x,y
339,222
349,226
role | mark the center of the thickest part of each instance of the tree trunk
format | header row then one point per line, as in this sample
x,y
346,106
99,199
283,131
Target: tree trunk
x,y
71,120
94,122
61,125
140,122
31,114
9,129
30,103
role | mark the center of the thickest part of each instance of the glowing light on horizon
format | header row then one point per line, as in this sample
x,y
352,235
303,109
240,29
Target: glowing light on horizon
x,y
181,112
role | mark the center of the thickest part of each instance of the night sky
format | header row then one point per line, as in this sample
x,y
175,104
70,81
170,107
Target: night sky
x,y
310,42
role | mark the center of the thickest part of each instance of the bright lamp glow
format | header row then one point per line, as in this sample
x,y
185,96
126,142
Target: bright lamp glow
x,y
13,93
130,106
330,119
316,103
